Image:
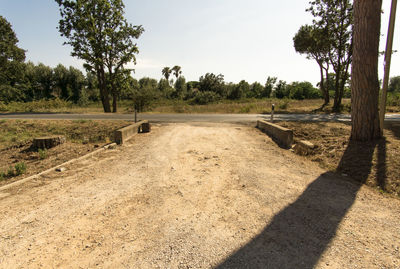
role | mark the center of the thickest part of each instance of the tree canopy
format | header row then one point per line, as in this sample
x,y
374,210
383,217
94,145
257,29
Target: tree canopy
x,y
11,56
100,35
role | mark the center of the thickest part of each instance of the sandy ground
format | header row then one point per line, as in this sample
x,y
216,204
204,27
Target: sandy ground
x,y
197,196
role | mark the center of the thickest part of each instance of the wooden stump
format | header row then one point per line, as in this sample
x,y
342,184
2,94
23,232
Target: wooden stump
x,y
146,127
48,142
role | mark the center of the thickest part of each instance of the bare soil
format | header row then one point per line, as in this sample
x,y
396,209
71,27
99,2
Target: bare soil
x,y
376,163
83,136
197,196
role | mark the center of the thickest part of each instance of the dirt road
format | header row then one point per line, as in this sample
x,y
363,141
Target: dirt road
x,y
197,196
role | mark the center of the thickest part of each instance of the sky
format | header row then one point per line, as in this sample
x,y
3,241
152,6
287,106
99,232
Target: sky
x,y
248,40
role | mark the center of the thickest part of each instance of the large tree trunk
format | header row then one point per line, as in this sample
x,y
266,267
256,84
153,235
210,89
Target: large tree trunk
x,y
322,86
364,83
104,96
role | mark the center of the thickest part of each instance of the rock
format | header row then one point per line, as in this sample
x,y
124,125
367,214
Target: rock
x,y
61,169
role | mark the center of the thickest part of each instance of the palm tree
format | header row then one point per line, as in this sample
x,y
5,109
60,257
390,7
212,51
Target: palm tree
x,y
177,71
166,72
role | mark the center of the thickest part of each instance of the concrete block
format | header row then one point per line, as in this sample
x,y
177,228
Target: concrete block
x,y
304,147
146,127
281,135
126,133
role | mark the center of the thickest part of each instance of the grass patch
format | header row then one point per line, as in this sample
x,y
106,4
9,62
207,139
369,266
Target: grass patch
x,y
14,133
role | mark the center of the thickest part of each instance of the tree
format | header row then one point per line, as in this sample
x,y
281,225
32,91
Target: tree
x,y
177,71
335,17
256,90
269,86
394,85
100,35
239,90
166,72
314,42
364,82
11,56
281,90
180,87
213,83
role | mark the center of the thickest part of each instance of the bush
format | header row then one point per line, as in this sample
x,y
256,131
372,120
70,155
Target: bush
x,y
42,154
20,168
203,98
393,99
284,104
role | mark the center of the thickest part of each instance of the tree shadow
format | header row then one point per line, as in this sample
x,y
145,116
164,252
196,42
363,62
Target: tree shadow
x,y
299,234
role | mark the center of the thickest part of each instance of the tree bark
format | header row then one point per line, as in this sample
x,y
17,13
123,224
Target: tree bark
x,y
365,83
104,96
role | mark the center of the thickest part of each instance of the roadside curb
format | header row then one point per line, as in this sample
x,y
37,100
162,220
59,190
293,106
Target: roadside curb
x,y
16,183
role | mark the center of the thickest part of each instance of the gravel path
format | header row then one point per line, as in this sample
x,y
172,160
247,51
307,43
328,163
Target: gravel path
x,y
197,196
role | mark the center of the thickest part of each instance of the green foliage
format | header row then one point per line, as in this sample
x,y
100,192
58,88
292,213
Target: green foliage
x,y
269,86
213,83
100,35
20,168
166,72
180,88
177,70
42,154
240,90
302,90
2,176
206,97
394,85
10,172
281,90
145,93
256,90
335,19
393,99
284,104
11,56
165,88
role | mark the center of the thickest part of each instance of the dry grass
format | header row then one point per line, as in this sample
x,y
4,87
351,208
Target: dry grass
x,y
376,164
83,136
251,106
254,106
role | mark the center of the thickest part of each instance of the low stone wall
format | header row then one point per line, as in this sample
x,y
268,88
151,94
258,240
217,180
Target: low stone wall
x,y
281,135
124,134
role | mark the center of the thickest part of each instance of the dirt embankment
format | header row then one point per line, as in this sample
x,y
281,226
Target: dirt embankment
x,y
197,196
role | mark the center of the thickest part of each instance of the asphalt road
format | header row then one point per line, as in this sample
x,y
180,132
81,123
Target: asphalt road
x,y
189,117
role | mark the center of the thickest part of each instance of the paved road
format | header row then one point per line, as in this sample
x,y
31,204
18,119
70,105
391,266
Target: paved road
x,y
189,117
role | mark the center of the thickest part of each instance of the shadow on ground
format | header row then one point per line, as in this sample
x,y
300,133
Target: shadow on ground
x,y
298,235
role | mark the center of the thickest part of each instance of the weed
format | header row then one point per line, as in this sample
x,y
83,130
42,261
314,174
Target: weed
x,y
20,168
42,154
10,172
284,104
2,176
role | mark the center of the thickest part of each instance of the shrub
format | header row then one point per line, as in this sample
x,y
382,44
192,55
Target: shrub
x,y
284,104
20,168
42,154
10,172
203,98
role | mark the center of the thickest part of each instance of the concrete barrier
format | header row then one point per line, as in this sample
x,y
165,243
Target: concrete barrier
x,y
304,147
281,135
126,133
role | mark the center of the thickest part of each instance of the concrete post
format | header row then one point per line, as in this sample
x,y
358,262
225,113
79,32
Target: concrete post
x,y
272,112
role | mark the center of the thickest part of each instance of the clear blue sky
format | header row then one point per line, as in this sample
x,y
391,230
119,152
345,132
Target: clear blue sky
x,y
248,40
